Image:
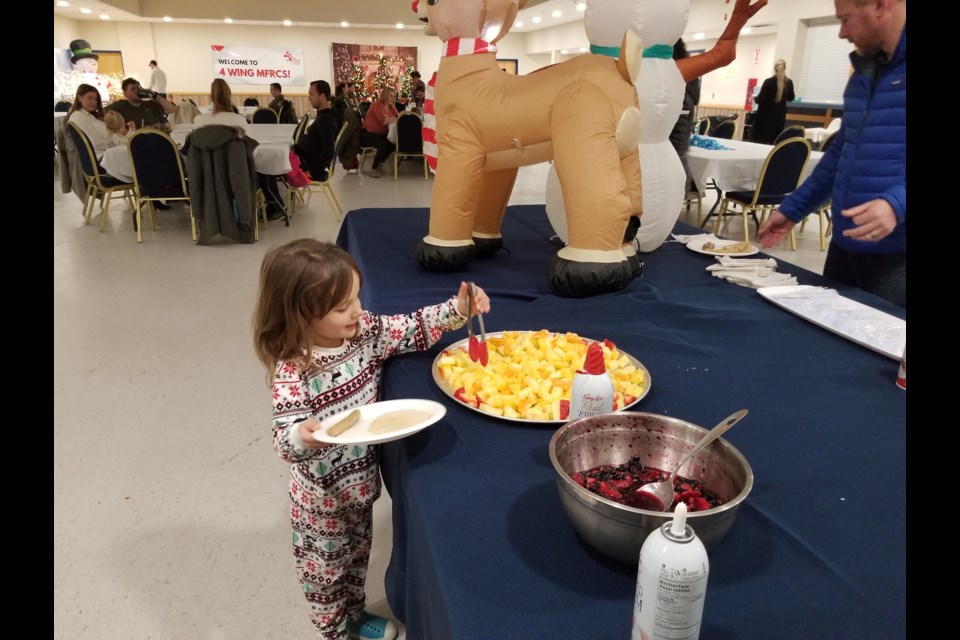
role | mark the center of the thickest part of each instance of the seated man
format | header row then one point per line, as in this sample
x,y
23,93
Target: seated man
x,y
315,147
281,105
142,113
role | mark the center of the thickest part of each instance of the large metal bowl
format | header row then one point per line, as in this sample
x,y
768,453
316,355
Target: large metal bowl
x,y
616,530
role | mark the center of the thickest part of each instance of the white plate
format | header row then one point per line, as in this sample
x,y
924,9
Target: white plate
x,y
868,327
697,245
465,343
360,432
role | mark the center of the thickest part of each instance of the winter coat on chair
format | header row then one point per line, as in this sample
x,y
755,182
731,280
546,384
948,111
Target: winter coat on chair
x,y
71,171
223,183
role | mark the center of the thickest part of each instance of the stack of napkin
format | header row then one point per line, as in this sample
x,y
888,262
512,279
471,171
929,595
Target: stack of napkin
x,y
756,272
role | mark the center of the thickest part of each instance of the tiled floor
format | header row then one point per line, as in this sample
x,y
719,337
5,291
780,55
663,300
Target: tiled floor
x,y
169,503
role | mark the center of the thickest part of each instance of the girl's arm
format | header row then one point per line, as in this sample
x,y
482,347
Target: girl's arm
x,y
293,421
423,328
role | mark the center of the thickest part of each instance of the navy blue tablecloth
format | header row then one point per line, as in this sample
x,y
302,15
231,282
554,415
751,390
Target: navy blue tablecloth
x,y
482,547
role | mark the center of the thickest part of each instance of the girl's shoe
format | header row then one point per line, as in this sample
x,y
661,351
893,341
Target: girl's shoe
x,y
371,627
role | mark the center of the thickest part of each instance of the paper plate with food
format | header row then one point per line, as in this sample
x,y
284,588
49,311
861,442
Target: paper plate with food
x,y
711,245
380,422
529,373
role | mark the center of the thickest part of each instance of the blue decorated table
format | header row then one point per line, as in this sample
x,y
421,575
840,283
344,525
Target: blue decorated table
x,y
482,548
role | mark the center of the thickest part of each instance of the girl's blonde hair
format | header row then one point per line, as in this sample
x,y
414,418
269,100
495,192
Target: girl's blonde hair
x,y
299,281
780,68
114,121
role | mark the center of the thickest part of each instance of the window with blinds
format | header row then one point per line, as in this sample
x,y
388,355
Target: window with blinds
x,y
826,65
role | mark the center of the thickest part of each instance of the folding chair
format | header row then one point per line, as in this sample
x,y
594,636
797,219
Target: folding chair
x,y
322,185
99,183
410,141
157,175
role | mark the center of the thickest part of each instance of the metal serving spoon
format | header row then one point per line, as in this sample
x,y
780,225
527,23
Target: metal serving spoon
x,y
660,494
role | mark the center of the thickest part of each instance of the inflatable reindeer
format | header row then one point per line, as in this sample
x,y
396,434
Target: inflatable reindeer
x,y
582,114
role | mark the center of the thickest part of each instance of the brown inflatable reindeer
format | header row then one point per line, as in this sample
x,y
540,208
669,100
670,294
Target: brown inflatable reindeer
x,y
581,113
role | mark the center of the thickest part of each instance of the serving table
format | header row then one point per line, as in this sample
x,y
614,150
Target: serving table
x,y
481,545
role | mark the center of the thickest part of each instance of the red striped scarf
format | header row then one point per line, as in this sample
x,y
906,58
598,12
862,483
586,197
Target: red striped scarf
x,y
452,47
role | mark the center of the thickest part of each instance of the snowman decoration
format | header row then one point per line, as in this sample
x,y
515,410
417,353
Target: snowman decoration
x,y
660,86
85,62
659,23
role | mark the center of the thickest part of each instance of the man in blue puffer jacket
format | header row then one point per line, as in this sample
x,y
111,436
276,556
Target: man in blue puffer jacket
x,y
865,170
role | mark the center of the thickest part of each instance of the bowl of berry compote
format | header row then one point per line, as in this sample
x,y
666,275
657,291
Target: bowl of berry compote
x,y
601,462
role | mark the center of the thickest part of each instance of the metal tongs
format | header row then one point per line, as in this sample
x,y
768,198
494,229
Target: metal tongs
x,y
477,348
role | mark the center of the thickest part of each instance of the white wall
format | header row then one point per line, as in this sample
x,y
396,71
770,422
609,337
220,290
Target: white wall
x,y
183,50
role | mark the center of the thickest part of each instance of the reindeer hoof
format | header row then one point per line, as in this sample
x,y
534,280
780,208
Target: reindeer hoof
x,y
571,279
487,246
436,258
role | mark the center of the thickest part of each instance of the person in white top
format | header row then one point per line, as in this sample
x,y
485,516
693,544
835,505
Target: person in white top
x,y
158,79
87,113
223,112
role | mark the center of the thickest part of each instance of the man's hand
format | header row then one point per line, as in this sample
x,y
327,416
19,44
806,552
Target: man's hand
x,y
774,229
874,220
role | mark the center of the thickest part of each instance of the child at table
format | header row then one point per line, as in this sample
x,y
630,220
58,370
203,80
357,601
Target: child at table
x,y
324,355
119,130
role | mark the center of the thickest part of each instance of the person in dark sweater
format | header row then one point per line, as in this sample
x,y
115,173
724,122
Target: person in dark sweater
x,y
680,136
775,92
316,145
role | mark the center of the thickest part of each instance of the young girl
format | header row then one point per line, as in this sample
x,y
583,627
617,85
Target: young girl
x,y
324,355
119,130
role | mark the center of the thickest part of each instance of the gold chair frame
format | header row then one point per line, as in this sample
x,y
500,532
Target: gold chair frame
x,y
149,200
94,184
753,207
295,195
397,154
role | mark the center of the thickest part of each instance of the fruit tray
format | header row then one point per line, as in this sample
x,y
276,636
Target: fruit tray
x,y
528,376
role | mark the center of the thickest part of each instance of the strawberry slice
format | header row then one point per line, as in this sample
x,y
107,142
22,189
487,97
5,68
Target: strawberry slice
x,y
698,504
609,492
609,344
625,483
459,394
578,478
564,409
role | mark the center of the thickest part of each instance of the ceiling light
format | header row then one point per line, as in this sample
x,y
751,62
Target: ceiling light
x,y
584,49
167,19
63,3
557,14
344,24
536,20
287,23
563,51
745,31
399,25
518,25
228,20
85,10
699,35
104,16
581,6
491,33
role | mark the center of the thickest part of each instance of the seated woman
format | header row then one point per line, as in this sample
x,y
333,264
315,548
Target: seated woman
x,y
87,113
379,116
223,109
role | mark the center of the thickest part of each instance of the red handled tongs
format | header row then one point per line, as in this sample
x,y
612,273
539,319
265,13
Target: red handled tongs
x,y
477,348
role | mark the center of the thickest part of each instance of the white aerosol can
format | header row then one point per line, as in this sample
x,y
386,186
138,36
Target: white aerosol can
x,y
592,390
671,582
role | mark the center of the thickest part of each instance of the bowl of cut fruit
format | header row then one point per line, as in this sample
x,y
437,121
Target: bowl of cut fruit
x,y
601,462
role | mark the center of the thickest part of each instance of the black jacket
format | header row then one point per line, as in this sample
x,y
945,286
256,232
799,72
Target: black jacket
x,y
315,147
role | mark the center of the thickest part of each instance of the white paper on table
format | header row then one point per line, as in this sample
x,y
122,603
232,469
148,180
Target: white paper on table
x,y
868,327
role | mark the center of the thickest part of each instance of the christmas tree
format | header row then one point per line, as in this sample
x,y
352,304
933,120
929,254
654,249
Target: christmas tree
x,y
406,85
359,81
382,78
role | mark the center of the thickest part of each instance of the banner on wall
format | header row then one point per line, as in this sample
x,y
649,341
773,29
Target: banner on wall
x,y
257,65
